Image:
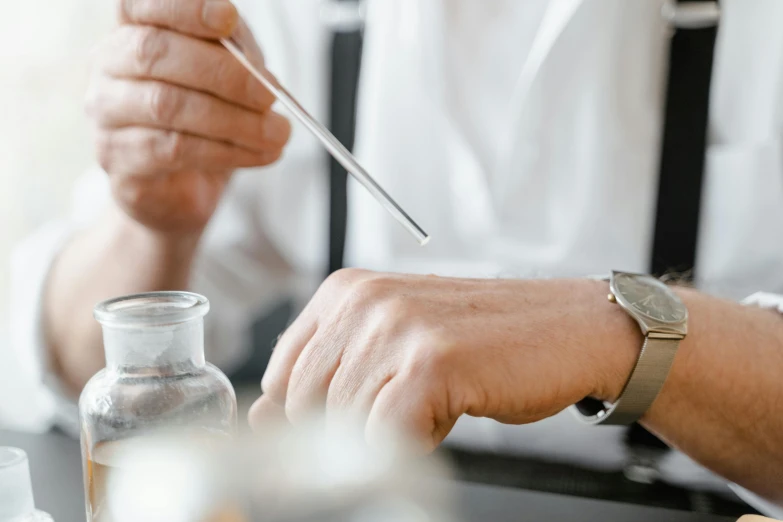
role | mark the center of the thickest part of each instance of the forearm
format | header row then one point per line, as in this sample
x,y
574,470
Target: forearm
x,y
723,401
115,257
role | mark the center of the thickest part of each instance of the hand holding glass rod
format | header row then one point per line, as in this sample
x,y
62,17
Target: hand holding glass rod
x,y
330,142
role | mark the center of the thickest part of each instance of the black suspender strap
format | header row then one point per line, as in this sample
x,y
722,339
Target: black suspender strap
x,y
346,63
683,151
683,156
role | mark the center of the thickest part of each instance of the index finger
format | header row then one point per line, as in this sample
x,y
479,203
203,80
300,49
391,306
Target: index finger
x,y
212,19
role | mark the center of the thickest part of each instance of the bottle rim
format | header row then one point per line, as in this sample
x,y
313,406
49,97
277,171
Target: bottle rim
x,y
10,457
151,309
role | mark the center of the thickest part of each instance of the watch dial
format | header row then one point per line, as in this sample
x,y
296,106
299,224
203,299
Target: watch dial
x,y
651,298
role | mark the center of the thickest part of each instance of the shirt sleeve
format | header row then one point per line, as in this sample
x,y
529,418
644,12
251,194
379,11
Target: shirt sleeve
x,y
765,300
769,302
237,268
34,399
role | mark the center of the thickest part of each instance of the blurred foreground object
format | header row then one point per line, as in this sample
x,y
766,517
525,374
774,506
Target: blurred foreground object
x,y
16,489
321,471
155,381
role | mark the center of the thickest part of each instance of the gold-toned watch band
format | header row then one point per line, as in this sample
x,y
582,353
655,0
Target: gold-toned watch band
x,y
643,386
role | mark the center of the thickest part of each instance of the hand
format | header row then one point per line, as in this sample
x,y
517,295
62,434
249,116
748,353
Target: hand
x,y
176,113
419,352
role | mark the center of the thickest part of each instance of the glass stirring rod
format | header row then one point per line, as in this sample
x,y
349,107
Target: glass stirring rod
x,y
330,142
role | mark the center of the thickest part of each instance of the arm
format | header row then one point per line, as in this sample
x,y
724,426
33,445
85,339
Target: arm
x,y
430,349
722,402
176,116
115,257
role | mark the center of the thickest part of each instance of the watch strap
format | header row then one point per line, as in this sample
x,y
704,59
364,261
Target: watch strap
x,y
642,388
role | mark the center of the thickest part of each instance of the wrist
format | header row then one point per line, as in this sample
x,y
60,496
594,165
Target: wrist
x,y
622,341
617,340
602,340
168,256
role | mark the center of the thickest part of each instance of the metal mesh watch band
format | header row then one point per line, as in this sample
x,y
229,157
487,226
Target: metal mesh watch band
x,y
642,388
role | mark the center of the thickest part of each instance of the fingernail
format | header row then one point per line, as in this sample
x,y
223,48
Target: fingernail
x,y
220,15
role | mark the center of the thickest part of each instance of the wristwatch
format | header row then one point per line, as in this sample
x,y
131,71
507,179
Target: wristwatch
x,y
663,319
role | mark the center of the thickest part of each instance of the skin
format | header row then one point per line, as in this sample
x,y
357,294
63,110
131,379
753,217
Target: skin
x,y
420,351
175,116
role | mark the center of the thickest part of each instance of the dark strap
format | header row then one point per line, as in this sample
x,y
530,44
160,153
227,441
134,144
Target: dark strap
x,y
683,158
346,63
683,152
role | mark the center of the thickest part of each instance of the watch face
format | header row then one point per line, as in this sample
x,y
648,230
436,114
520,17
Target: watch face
x,y
650,298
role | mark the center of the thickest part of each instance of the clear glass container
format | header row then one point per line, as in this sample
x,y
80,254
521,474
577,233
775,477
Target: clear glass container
x,y
16,489
155,381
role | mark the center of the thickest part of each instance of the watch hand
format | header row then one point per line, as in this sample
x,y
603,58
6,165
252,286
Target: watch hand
x,y
645,301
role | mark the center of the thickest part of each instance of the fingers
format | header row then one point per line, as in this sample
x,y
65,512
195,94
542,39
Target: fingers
x,y
326,304
150,152
284,357
312,374
265,412
163,55
128,103
405,406
351,394
352,352
202,18
363,371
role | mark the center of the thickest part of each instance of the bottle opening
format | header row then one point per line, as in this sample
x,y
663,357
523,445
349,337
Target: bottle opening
x,y
11,457
16,490
151,309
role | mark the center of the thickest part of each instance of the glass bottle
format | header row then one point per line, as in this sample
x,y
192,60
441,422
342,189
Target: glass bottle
x,y
16,489
156,381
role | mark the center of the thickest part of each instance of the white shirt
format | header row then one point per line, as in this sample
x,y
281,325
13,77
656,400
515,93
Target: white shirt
x,y
524,136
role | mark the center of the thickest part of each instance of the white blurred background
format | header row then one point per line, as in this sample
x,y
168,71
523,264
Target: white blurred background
x,y
45,140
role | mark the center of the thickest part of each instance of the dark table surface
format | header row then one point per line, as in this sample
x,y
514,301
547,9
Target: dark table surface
x,y
55,463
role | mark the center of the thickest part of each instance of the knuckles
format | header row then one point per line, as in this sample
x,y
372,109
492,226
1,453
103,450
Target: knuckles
x,y
361,291
133,50
371,293
93,100
390,316
432,356
339,283
165,102
150,45
167,148
160,150
126,9
104,151
130,195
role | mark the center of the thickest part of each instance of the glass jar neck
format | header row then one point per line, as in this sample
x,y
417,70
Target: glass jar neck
x,y
167,348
